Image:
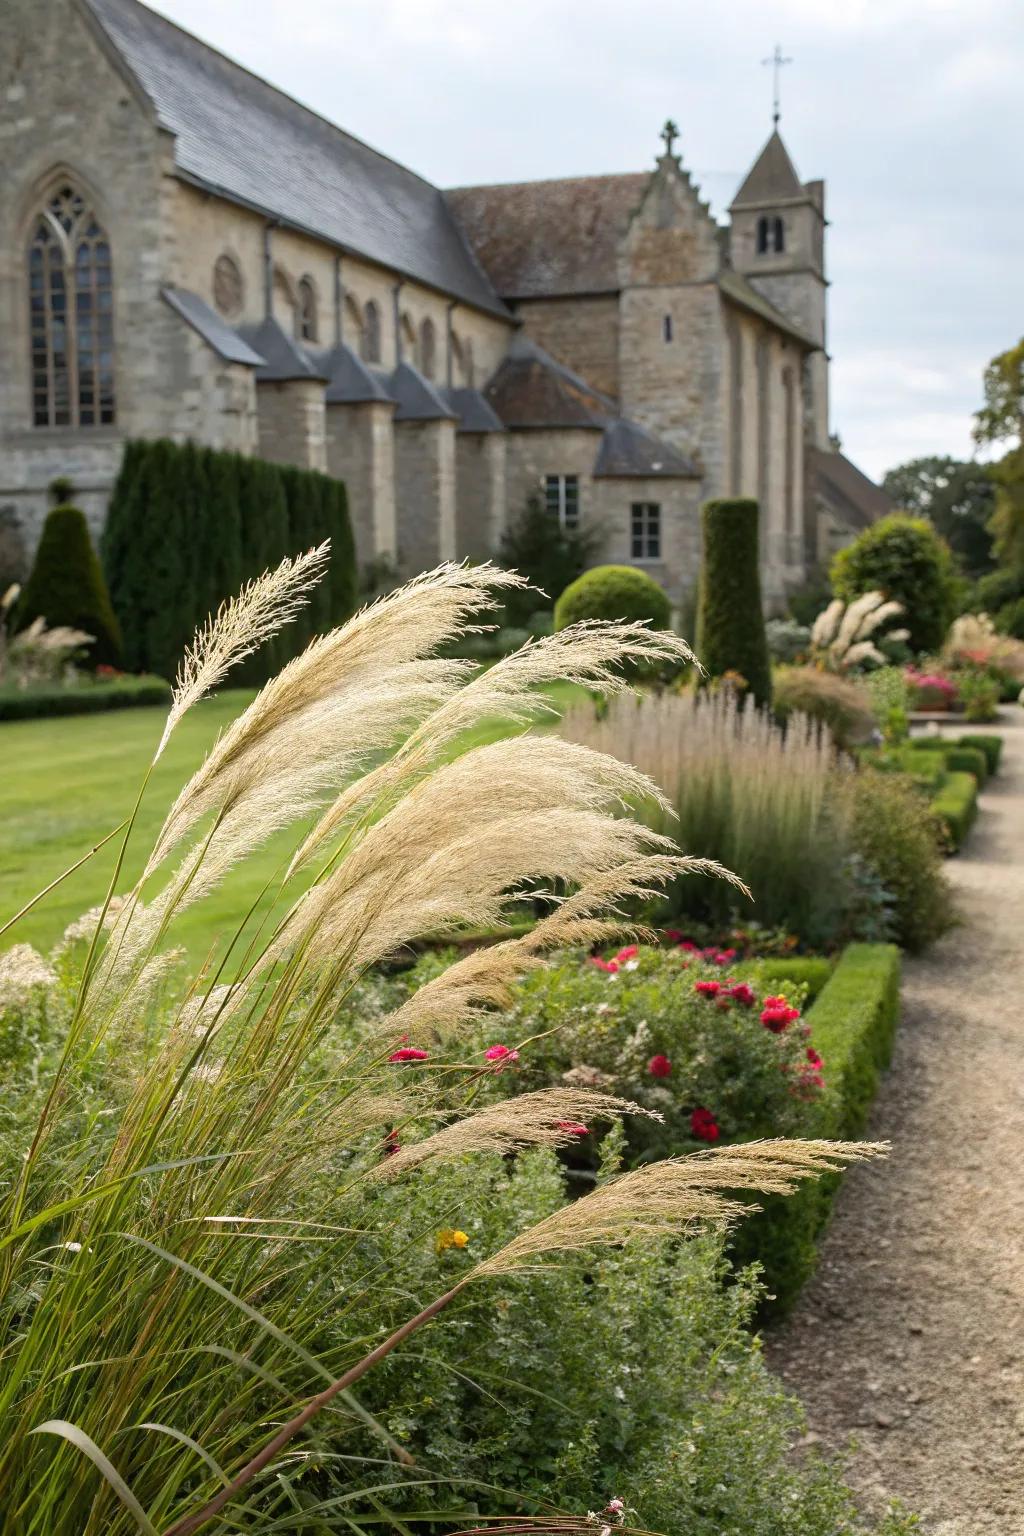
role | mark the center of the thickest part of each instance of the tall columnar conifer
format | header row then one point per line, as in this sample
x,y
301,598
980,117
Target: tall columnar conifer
x,y
66,586
730,621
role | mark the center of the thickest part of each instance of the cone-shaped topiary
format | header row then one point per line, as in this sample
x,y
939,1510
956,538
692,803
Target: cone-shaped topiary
x,y
614,592
730,623
66,586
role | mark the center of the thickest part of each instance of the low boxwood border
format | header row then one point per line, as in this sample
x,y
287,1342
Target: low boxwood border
x,y
91,698
956,806
852,1022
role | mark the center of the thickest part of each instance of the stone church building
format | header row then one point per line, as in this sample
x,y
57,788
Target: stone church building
x,y
185,251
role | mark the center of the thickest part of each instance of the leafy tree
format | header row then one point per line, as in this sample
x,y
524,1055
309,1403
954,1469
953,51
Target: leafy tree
x,y
66,586
548,555
955,495
730,622
1001,420
908,561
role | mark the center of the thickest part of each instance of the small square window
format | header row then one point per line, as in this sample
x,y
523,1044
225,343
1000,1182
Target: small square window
x,y
645,530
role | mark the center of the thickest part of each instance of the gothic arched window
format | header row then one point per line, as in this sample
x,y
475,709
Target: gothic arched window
x,y
428,348
771,234
307,309
371,333
71,315
228,291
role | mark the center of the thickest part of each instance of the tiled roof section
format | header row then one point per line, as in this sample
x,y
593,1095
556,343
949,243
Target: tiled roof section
x,y
224,341
856,500
283,358
349,381
739,291
240,137
473,411
418,399
630,451
771,179
537,239
531,389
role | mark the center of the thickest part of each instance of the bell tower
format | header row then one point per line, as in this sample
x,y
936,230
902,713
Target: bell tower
x,y
777,241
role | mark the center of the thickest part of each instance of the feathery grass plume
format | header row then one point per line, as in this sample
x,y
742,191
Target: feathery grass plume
x,y
826,625
596,912
546,1118
841,634
587,654
240,626
670,1196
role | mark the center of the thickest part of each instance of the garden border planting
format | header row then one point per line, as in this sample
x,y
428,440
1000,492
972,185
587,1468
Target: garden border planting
x,y
91,699
853,1022
956,805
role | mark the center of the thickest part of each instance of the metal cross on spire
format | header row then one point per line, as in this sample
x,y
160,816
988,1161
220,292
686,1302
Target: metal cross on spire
x,y
669,133
776,61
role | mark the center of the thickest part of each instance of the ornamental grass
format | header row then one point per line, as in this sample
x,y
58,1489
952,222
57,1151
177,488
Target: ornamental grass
x,y
164,1274
743,792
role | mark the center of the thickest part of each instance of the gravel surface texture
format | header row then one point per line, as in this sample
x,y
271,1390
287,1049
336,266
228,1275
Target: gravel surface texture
x,y
910,1338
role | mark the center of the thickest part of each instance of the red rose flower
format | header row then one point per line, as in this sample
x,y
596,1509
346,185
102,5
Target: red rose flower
x,y
611,966
500,1055
743,992
689,946
725,956
409,1053
707,988
572,1127
659,1066
629,953
814,1059
703,1125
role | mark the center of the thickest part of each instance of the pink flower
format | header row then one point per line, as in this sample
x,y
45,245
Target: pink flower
x,y
743,992
659,1066
690,947
629,953
778,1015
673,935
409,1053
572,1128
611,966
501,1053
703,1125
707,988
725,956
391,1143
814,1059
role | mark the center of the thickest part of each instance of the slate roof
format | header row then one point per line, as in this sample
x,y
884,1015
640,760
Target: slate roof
x,y
282,357
856,500
628,450
240,137
530,389
227,343
473,411
737,289
418,399
771,179
541,238
349,381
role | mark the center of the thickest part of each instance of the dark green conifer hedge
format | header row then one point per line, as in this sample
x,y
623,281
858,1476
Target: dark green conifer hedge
x,y
188,526
66,586
730,622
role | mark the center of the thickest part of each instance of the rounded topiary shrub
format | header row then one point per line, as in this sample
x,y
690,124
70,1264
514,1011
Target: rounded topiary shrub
x,y
66,586
614,592
730,622
904,558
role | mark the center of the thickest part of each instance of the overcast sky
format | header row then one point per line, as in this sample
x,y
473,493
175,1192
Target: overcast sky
x,y
912,111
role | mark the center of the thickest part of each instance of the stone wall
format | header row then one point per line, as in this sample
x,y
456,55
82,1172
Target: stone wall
x,y
582,333
533,455
679,566
292,428
425,493
480,467
360,451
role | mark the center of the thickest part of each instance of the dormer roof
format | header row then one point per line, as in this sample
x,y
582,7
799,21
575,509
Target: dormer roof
x,y
283,358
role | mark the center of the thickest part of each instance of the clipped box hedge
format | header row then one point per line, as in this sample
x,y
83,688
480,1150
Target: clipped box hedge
x,y
956,806
853,1022
91,698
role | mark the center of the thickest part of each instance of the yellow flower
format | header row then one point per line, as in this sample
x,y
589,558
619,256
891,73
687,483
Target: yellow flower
x,y
450,1237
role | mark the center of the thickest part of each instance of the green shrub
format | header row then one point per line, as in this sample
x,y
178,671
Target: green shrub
x,y
807,972
90,699
614,592
954,755
187,526
730,624
895,831
904,558
843,706
852,1026
547,554
66,586
979,695
992,746
956,806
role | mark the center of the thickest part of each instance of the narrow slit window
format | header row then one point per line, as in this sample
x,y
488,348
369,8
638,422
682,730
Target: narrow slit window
x,y
666,328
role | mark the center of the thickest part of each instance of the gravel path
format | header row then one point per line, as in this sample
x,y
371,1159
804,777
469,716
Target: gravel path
x,y
910,1338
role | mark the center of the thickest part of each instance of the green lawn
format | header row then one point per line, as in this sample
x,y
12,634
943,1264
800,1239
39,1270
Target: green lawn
x,y
65,783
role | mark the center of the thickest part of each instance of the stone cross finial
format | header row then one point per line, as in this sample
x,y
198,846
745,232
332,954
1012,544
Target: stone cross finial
x,y
669,133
